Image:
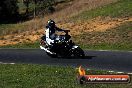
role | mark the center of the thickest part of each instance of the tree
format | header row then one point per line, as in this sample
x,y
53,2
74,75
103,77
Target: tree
x,y
45,6
8,9
27,2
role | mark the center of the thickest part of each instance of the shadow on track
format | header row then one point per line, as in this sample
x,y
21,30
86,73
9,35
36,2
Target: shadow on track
x,y
86,57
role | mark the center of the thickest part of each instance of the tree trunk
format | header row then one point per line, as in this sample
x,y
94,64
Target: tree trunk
x,y
35,8
27,9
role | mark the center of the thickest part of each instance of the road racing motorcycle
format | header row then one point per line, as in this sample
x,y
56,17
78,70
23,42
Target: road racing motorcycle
x,y
63,46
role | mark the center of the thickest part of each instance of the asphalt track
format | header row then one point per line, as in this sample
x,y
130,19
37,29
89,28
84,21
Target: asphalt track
x,y
104,60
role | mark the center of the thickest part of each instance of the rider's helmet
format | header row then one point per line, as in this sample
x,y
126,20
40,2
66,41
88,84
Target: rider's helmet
x,y
51,23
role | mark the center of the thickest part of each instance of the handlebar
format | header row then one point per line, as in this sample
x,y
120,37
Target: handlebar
x,y
66,31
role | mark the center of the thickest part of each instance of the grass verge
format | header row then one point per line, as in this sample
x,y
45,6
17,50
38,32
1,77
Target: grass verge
x,y
23,45
120,8
119,38
43,76
12,28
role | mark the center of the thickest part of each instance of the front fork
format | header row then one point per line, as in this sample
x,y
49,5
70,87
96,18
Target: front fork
x,y
72,50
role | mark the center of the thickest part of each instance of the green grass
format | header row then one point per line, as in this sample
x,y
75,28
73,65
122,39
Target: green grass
x,y
12,28
105,46
43,76
115,39
23,45
119,38
120,8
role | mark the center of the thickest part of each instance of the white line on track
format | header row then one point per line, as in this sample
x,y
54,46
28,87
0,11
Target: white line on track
x,y
120,72
112,51
6,63
129,73
110,71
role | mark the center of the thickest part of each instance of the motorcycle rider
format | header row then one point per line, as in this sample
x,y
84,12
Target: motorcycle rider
x,y
51,28
63,48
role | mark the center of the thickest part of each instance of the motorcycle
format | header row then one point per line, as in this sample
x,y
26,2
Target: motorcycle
x,y
63,46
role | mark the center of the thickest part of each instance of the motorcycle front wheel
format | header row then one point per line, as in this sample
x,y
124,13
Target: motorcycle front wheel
x,y
78,52
52,55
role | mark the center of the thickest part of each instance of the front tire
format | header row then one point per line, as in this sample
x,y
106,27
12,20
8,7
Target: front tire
x,y
78,52
52,55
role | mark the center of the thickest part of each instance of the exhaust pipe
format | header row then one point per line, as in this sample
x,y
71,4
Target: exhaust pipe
x,y
41,47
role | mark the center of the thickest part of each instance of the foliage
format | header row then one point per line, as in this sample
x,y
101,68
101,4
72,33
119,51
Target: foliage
x,y
8,9
40,6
